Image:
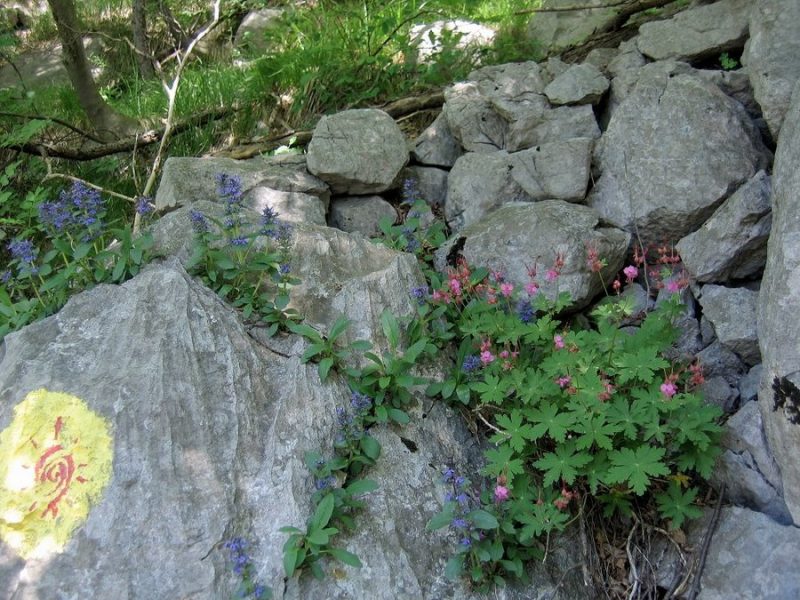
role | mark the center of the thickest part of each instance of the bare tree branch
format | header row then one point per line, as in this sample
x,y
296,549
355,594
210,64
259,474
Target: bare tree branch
x,y
172,92
70,126
53,175
73,151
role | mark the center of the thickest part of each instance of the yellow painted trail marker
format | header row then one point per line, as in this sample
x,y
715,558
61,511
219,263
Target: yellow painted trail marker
x,y
55,462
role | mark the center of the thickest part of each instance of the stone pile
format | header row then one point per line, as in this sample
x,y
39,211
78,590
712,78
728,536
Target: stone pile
x,y
640,144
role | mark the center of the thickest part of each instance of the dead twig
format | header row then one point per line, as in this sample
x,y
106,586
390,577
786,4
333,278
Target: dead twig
x,y
634,572
585,570
701,558
53,175
55,121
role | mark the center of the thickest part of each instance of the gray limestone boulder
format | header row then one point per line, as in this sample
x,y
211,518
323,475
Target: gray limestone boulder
x,y
771,57
732,313
504,107
697,33
45,67
283,180
732,244
751,556
436,146
737,85
427,40
473,122
520,236
554,170
675,148
748,469
601,58
479,183
718,392
209,432
539,124
718,360
748,385
361,214
580,84
250,34
556,31
357,151
779,305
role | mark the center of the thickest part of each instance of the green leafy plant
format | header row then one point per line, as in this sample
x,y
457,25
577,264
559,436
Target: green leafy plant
x,y
586,411
325,350
389,378
420,233
727,62
78,252
339,488
247,266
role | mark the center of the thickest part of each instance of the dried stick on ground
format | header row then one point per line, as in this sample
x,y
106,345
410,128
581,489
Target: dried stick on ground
x,y
701,559
77,152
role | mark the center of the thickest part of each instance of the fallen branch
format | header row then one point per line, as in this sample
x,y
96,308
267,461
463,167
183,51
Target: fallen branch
x,y
53,175
95,151
87,134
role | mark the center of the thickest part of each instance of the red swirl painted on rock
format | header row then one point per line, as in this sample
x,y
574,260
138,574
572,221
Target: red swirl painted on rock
x,y
55,469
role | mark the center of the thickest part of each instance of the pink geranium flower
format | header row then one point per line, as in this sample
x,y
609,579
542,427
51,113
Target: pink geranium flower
x,y
630,273
668,389
501,493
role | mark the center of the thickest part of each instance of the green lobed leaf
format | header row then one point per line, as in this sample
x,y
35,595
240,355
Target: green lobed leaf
x,y
563,464
636,466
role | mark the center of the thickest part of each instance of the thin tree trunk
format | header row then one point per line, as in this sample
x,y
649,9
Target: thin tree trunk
x,y
107,123
139,24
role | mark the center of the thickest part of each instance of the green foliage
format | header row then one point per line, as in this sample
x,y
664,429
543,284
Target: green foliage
x,y
325,350
339,491
727,62
246,264
593,411
389,378
412,235
75,250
